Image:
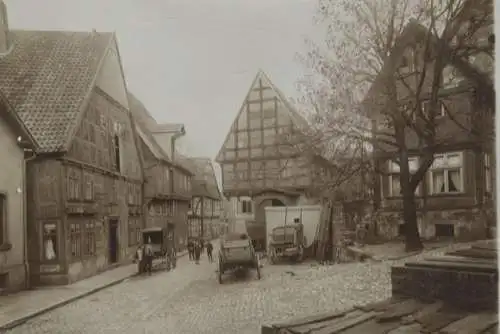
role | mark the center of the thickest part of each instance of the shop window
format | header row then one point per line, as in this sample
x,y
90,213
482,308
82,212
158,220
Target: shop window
x,y
50,249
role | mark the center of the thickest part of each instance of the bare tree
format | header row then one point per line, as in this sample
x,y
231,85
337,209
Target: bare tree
x,y
381,60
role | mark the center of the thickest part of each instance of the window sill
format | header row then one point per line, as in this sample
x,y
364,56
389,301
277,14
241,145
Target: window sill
x,y
5,247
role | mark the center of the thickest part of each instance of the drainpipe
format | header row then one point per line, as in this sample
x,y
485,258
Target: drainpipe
x,y
176,136
25,215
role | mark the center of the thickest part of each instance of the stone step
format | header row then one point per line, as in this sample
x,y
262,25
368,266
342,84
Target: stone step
x,y
466,285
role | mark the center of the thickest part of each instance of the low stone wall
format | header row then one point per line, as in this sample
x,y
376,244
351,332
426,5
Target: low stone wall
x,y
468,224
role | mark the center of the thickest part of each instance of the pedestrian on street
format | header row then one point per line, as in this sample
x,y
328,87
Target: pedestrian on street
x,y
361,231
148,256
190,246
210,248
197,252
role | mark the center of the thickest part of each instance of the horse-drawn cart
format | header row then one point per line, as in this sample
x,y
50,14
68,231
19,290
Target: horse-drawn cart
x,y
162,242
237,253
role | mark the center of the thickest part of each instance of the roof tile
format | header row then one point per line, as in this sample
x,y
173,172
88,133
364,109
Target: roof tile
x,y
46,77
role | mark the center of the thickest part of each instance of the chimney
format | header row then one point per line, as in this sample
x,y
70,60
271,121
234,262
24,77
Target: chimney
x,y
4,28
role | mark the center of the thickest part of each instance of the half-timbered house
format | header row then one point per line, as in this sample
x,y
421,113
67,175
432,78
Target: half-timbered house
x,y
16,144
260,167
205,210
167,189
455,199
85,184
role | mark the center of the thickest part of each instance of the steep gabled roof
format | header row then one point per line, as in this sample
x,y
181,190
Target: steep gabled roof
x,y
143,122
204,182
299,122
13,121
47,76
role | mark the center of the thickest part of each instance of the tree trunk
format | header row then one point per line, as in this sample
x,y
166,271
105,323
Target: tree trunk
x,y
412,236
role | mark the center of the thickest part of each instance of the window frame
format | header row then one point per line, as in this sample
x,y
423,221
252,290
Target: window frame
x,y
56,244
488,177
392,171
246,206
446,169
4,240
442,109
75,239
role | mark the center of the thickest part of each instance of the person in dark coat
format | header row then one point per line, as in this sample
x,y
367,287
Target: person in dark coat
x,y
190,247
210,248
197,252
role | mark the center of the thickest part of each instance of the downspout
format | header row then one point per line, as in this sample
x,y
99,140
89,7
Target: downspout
x,y
176,136
25,217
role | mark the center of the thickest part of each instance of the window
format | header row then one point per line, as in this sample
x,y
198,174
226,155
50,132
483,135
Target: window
x,y
441,108
487,173
451,77
446,173
76,240
246,206
134,231
89,187
444,230
89,239
116,144
73,185
50,249
394,177
3,219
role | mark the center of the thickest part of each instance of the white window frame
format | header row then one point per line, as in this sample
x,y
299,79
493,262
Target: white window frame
x,y
487,173
394,169
442,109
446,168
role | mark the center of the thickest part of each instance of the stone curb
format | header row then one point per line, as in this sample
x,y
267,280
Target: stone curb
x,y
16,322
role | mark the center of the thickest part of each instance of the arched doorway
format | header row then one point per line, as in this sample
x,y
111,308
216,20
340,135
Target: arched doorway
x,y
263,199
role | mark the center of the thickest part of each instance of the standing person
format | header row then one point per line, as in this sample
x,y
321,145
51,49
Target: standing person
x,y
191,249
197,252
148,256
210,248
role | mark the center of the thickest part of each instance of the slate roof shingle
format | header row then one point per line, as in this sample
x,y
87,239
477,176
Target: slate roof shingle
x,y
46,77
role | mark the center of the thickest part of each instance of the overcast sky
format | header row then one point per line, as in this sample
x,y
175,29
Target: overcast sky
x,y
189,61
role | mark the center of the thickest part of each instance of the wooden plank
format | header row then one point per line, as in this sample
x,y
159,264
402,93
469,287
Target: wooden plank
x,y
435,321
472,267
344,324
311,319
371,327
475,253
458,259
427,310
400,310
308,328
382,305
471,324
407,329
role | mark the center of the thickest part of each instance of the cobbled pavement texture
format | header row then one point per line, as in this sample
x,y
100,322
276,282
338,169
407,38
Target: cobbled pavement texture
x,y
190,300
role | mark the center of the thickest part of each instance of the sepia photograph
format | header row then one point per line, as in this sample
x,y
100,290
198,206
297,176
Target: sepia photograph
x,y
248,167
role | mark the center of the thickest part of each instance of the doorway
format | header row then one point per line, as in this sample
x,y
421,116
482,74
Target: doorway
x,y
113,241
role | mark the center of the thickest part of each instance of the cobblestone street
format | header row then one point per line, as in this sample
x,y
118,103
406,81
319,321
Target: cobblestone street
x,y
190,300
